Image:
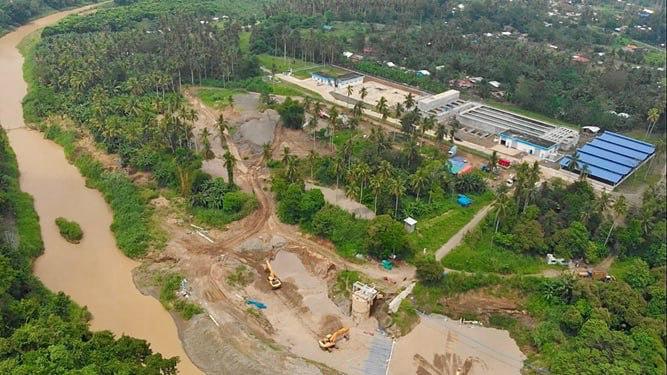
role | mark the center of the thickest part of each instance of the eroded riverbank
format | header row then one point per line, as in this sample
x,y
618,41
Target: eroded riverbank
x,y
94,273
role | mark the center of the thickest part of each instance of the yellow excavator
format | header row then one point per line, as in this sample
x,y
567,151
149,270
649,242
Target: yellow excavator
x,y
329,341
274,281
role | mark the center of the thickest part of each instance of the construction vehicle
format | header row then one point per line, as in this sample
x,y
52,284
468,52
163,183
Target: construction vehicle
x,y
274,281
597,275
329,341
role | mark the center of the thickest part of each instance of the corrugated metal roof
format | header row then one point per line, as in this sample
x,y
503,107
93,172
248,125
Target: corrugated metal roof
x,y
611,157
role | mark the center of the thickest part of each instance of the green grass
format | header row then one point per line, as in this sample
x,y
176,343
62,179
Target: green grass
x,y
217,97
478,253
620,268
219,218
524,112
429,298
306,73
70,230
289,89
406,317
344,281
281,64
170,284
241,277
436,231
648,174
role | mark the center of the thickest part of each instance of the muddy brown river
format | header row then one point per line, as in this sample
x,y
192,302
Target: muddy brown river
x,y
94,273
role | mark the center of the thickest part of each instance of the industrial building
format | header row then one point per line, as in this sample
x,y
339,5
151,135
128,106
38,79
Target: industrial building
x,y
515,131
441,105
610,157
340,81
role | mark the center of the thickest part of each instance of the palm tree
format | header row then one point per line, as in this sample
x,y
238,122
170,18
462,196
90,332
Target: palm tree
x,y
363,92
266,151
385,169
585,171
501,204
311,126
440,132
652,117
428,123
306,103
292,169
573,164
363,171
409,101
350,90
312,160
286,155
454,126
493,161
338,165
347,150
398,111
222,125
377,185
620,208
397,188
317,108
207,153
381,105
333,123
230,162
417,181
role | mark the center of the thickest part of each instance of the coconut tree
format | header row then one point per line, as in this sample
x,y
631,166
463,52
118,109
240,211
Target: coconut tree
x,y
311,126
338,166
317,108
652,118
397,188
207,153
333,123
363,92
454,126
377,183
440,132
222,125
493,161
417,181
409,101
286,155
350,90
292,169
363,172
428,123
502,205
620,208
312,161
398,110
266,151
381,105
229,162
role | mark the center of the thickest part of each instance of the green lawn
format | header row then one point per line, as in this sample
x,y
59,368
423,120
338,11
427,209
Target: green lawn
x,y
524,112
478,253
306,73
289,89
620,268
217,97
436,231
282,65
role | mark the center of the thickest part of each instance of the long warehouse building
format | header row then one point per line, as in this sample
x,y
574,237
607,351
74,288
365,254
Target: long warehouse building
x,y
610,158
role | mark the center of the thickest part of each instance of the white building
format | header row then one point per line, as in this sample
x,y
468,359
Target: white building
x,y
341,81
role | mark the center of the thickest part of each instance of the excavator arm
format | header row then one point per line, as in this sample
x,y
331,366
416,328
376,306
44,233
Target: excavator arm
x,y
274,281
329,342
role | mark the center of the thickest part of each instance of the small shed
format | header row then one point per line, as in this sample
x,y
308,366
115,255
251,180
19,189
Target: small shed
x,y
464,200
410,224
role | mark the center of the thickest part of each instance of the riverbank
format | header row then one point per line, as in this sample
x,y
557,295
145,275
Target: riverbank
x,y
93,272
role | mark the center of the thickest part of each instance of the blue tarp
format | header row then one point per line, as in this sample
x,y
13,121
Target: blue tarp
x,y
456,164
257,304
464,200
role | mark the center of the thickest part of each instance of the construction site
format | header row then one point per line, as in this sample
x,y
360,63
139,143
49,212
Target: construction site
x,y
270,292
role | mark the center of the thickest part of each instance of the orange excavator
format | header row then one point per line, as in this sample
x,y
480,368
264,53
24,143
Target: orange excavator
x,y
329,341
274,281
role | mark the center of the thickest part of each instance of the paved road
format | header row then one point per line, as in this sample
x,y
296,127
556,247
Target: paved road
x,y
458,237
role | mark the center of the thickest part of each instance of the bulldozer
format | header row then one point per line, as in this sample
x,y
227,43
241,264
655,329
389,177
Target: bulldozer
x,y
329,341
274,281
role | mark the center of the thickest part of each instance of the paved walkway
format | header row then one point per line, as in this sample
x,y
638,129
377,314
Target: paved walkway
x,y
458,237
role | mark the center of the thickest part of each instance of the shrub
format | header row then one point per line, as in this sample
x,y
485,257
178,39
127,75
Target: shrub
x,y
386,237
429,271
291,113
70,230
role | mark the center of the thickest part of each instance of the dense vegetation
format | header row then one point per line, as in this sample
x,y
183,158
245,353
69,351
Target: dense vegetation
x,y
414,36
18,12
117,75
42,332
70,230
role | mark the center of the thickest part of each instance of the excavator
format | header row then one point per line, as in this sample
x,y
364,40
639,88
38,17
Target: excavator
x,y
274,281
329,341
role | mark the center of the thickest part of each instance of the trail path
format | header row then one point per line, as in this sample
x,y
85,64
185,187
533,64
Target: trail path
x,y
458,237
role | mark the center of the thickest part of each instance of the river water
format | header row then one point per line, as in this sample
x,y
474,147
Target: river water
x,y
94,273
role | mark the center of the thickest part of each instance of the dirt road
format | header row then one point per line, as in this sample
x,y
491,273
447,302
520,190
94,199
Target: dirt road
x,y
458,237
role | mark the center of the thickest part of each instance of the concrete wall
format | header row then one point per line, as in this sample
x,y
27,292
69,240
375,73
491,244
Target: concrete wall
x,y
351,82
432,102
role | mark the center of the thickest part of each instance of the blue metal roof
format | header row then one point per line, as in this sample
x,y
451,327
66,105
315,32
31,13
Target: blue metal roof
x,y
628,142
611,157
604,154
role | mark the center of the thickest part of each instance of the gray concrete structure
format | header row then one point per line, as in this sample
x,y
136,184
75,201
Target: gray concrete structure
x,y
532,136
